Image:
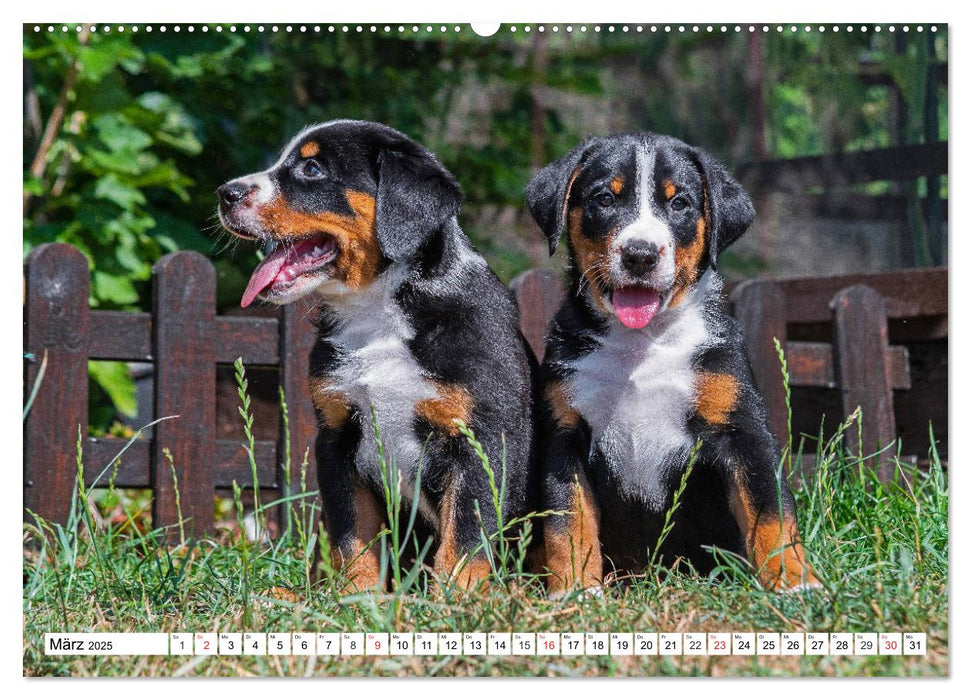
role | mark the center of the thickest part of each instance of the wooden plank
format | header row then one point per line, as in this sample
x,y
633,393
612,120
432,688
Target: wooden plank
x,y
839,169
121,335
233,464
298,334
133,471
539,294
811,364
862,358
127,336
914,294
57,322
760,307
254,339
185,386
909,293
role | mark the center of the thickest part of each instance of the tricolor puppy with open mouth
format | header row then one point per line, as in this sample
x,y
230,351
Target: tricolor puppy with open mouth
x,y
414,325
643,362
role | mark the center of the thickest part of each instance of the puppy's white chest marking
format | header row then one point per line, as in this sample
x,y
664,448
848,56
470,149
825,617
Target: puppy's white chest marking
x,y
378,369
636,392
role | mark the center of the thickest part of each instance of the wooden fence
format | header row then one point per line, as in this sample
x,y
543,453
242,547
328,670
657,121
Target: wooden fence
x,y
185,340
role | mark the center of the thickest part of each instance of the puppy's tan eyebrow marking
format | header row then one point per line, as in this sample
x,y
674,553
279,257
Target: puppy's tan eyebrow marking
x,y
669,189
617,184
309,149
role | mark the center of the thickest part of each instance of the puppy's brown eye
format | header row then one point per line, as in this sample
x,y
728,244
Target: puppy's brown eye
x,y
311,169
604,199
679,203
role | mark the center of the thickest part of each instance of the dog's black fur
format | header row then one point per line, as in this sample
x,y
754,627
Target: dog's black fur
x,y
625,401
413,323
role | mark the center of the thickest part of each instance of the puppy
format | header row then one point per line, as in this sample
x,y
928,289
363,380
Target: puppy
x,y
361,220
643,362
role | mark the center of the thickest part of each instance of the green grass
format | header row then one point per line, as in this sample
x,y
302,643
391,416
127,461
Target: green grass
x,y
880,550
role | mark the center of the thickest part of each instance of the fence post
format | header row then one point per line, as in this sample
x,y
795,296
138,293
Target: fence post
x,y
57,321
184,309
863,369
760,307
538,294
298,333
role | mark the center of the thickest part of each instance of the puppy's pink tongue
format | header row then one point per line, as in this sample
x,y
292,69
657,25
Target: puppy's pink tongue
x,y
263,275
636,306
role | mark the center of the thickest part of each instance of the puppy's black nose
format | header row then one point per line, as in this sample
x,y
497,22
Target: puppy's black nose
x,y
233,192
639,257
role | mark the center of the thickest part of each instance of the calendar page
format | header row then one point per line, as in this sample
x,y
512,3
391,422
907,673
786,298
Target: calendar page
x,y
426,349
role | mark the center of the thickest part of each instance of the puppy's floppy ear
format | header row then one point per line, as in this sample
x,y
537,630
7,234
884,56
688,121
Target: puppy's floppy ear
x,y
415,196
548,193
728,208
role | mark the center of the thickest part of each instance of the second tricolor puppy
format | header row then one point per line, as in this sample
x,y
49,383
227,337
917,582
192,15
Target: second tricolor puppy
x,y
642,362
361,220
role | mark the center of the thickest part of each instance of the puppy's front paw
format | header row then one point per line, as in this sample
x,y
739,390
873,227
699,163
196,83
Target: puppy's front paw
x,y
805,586
584,594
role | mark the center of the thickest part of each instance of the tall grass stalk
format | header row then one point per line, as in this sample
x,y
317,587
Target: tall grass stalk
x,y
242,385
285,485
178,496
391,483
498,561
244,547
655,559
36,387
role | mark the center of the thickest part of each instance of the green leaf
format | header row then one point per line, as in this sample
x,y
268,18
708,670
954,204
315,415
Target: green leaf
x,y
116,289
115,379
124,163
119,135
111,188
104,53
33,186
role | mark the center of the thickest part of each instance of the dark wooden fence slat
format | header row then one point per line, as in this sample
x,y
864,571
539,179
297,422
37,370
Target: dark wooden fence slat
x,y
298,334
912,294
861,342
233,465
907,294
539,294
133,471
121,335
760,307
811,364
127,335
57,318
132,468
185,385
255,339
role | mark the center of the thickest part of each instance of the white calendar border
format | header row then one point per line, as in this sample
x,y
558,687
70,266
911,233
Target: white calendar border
x,y
507,10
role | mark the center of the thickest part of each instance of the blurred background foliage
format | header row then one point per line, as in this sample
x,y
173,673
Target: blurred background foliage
x,y
127,134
